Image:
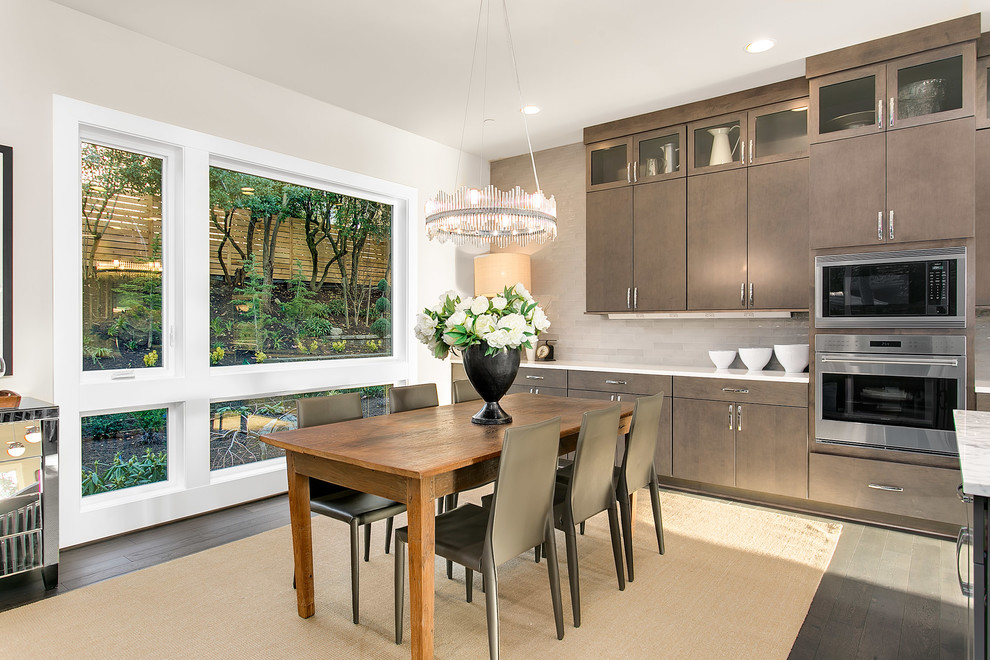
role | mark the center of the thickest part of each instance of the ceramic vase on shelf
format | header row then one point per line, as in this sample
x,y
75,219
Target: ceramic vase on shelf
x,y
721,151
492,376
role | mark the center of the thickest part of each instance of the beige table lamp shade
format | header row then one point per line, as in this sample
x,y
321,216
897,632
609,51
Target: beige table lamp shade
x,y
493,272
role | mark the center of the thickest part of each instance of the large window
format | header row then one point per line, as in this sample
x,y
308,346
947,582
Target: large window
x,y
296,273
121,196
203,286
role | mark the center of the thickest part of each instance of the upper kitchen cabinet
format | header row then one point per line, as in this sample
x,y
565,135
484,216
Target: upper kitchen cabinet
x,y
641,158
982,93
778,132
934,86
718,143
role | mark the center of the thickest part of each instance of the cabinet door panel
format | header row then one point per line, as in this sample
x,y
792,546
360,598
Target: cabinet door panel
x,y
982,260
772,449
848,178
778,235
609,249
930,181
716,239
659,256
703,443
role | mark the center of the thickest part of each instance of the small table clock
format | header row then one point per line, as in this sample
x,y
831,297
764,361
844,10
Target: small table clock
x,y
544,351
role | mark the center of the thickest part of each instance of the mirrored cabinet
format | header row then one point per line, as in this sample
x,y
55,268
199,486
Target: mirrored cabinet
x,y
933,86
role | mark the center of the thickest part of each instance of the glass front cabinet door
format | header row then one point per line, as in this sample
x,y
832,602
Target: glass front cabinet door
x,y
658,155
936,85
717,144
778,132
848,103
609,164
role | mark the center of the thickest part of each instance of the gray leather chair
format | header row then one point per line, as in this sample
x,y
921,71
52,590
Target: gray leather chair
x,y
412,397
637,470
350,506
520,517
589,491
462,390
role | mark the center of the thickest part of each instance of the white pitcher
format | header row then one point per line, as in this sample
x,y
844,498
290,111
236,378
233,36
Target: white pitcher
x,y
721,152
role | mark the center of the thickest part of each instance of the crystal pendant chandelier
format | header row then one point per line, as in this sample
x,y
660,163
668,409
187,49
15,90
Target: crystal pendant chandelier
x,y
491,216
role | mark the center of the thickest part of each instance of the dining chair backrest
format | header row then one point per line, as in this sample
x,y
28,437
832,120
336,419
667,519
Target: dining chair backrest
x,y
463,391
521,507
590,489
641,445
317,410
413,397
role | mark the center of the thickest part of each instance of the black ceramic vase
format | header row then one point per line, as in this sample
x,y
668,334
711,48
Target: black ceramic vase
x,y
491,375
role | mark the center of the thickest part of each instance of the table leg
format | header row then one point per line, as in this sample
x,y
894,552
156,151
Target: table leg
x,y
302,538
419,509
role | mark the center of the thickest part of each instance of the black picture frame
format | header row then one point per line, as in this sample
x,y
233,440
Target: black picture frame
x,y
6,256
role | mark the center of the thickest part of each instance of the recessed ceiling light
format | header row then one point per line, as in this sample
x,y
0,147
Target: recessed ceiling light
x,y
530,109
760,45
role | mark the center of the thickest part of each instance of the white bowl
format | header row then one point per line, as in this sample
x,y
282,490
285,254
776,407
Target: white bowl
x,y
722,359
792,357
755,358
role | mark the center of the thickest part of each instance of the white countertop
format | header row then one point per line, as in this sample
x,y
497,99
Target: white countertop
x,y
982,386
668,370
973,438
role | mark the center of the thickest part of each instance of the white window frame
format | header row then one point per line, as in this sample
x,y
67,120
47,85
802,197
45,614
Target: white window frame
x,y
186,383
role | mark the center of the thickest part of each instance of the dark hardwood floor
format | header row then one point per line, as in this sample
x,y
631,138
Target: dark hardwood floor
x,y
886,594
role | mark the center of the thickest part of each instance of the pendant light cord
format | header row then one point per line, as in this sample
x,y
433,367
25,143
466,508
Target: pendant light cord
x,y
467,101
515,70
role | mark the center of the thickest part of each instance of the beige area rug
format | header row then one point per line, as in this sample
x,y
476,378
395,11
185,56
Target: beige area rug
x,y
736,582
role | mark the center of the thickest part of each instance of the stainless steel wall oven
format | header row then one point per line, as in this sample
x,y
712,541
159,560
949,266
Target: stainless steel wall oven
x,y
889,391
900,289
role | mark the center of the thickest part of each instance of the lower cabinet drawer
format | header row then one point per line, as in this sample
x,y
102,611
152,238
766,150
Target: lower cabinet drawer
x,y
541,377
906,490
607,381
537,388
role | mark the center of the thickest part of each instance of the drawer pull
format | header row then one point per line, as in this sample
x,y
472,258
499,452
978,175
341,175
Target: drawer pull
x,y
536,377
891,489
963,497
730,417
735,390
965,537
616,382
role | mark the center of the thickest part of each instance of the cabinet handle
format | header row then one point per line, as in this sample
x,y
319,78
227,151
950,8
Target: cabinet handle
x,y
750,294
965,537
735,390
531,390
963,497
889,489
880,114
612,398
750,152
628,296
739,418
635,171
636,292
890,225
528,377
618,397
742,155
742,294
890,120
628,172
616,382
536,390
879,225
730,417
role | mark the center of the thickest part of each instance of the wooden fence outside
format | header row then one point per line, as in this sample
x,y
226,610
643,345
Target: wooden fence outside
x,y
132,243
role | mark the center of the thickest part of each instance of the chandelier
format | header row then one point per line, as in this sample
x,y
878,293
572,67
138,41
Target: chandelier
x,y
491,216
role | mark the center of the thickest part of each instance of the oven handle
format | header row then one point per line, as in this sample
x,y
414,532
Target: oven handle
x,y
918,361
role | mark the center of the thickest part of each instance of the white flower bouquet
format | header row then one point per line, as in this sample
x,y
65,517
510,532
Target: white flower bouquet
x,y
510,320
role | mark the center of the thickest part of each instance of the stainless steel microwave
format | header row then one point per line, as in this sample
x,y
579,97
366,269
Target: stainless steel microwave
x,y
900,289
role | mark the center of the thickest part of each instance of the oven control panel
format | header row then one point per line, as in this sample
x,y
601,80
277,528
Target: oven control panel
x,y
896,344
938,288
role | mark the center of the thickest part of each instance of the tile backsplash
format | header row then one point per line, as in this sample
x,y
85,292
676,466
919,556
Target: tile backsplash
x,y
559,285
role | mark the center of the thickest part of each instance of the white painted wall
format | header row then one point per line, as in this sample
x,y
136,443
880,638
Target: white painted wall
x,y
48,49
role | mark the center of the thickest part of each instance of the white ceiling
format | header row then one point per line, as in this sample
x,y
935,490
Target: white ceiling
x,y
407,62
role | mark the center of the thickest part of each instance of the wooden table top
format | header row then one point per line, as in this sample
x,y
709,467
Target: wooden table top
x,y
430,441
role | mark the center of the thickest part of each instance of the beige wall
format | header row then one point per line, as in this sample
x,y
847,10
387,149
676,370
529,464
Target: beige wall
x,y
559,283
48,49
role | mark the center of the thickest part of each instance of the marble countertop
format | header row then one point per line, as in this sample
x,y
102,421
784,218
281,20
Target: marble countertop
x,y
668,370
973,438
983,386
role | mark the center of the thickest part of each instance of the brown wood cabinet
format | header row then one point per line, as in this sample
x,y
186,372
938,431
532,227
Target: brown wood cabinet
x,y
914,184
635,256
921,492
731,433
982,93
983,401
981,263
716,240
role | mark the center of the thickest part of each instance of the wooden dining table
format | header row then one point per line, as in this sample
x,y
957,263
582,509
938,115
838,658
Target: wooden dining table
x,y
412,457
